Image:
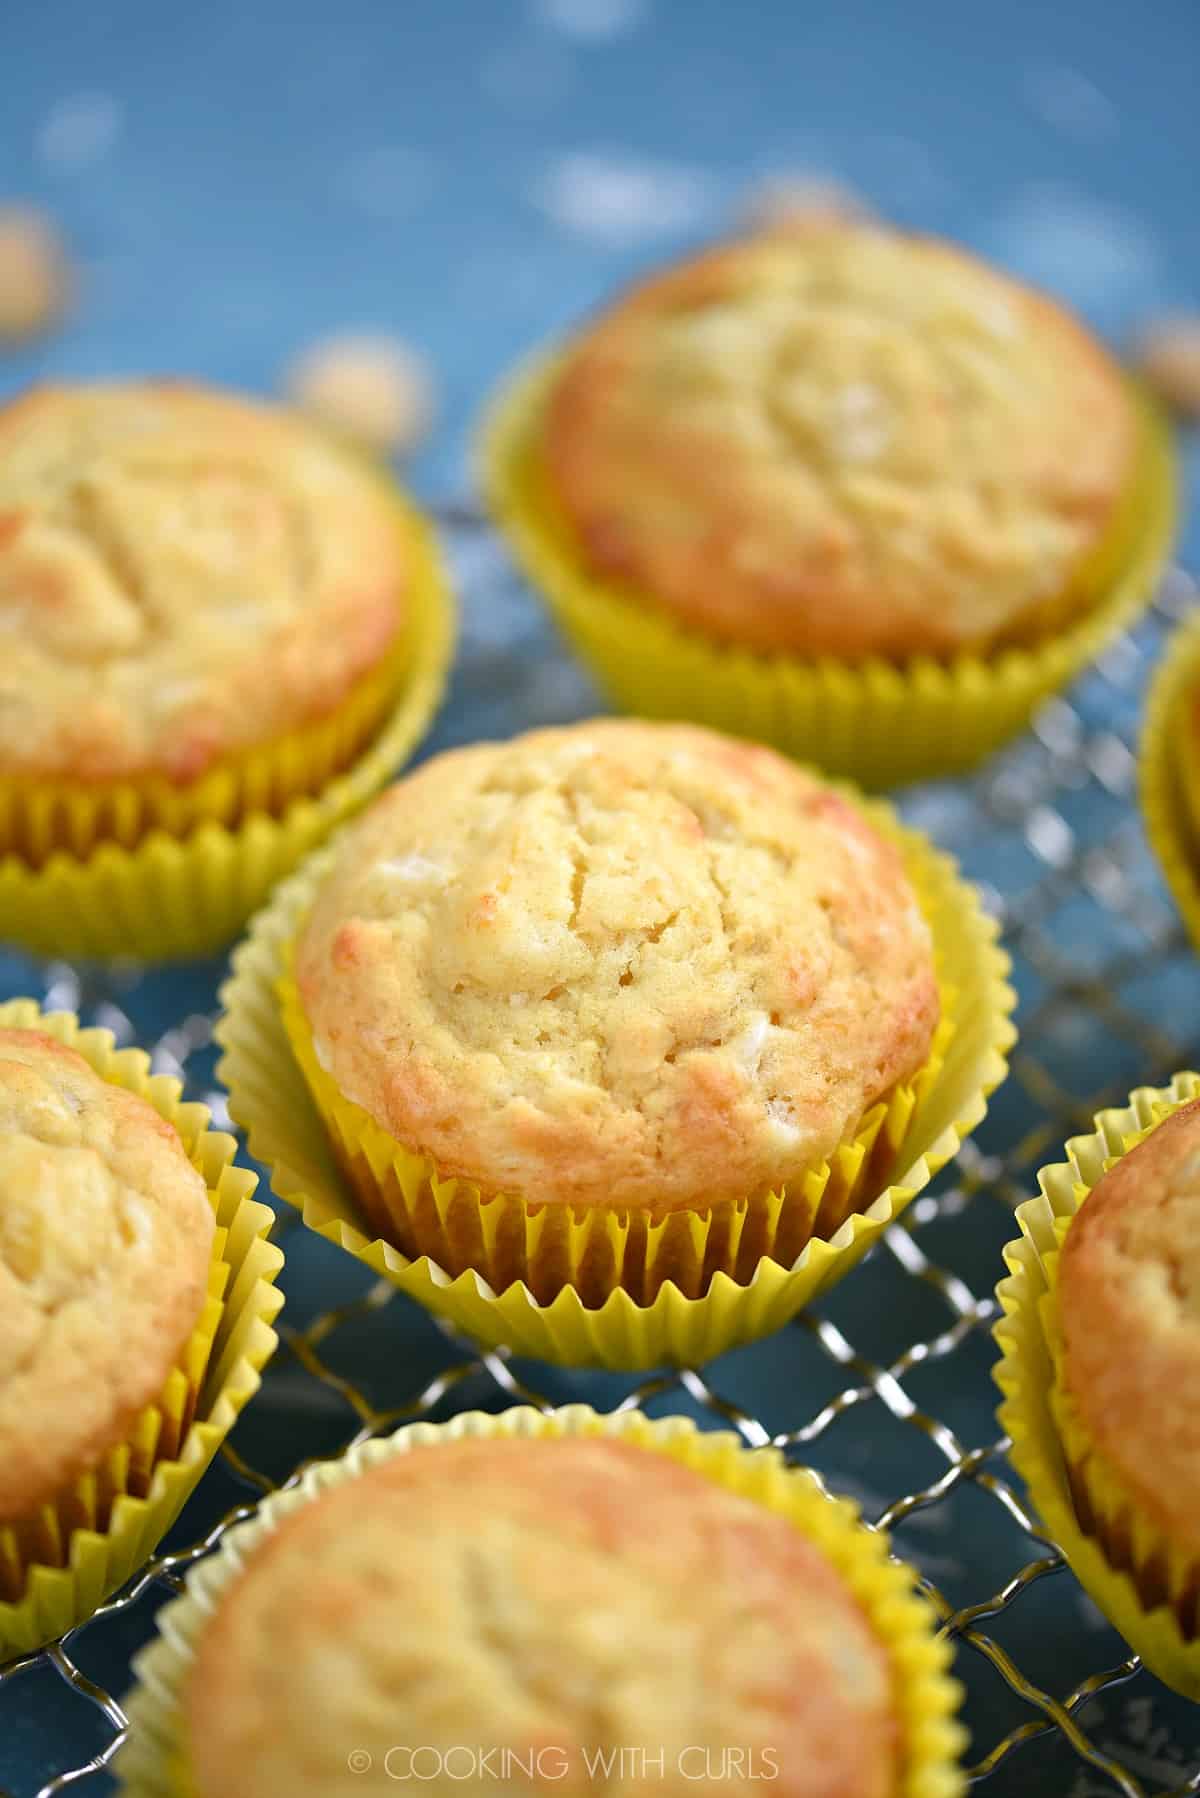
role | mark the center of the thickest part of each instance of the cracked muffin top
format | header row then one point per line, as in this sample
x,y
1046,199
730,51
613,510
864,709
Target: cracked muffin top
x,y
184,575
1129,1313
843,441
106,1234
619,963
561,1599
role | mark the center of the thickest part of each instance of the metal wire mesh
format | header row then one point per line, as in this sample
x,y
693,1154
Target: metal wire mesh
x,y
885,1388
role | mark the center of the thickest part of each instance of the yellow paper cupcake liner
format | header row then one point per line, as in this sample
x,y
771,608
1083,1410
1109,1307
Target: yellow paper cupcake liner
x,y
270,1098
154,1761
879,723
596,1250
157,1434
75,1553
38,817
1170,789
108,889
1143,1587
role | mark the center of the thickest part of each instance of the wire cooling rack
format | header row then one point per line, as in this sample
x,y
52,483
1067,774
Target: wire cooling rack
x,y
885,1387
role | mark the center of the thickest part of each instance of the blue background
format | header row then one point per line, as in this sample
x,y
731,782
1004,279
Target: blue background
x,y
453,170
235,180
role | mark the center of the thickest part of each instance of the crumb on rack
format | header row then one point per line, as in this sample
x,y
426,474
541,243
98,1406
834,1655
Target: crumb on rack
x,y
35,279
1167,354
374,390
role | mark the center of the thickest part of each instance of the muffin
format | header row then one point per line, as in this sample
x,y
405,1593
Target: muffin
x,y
1129,1376
212,610
194,576
610,1613
106,1235
614,938
1101,1368
617,970
833,446
136,1294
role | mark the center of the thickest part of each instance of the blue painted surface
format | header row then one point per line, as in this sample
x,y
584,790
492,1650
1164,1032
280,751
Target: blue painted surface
x,y
236,180
282,169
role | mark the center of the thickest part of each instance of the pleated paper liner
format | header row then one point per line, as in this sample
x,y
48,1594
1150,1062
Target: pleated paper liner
x,y
107,889
880,723
57,1567
157,1435
595,1249
1147,1591
1170,788
270,1097
154,1762
39,817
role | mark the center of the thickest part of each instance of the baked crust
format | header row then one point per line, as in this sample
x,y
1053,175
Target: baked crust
x,y
842,441
106,1234
561,1598
620,963
1129,1307
185,575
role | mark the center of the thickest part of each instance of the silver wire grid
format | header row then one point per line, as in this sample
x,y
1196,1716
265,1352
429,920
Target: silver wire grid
x,y
885,1387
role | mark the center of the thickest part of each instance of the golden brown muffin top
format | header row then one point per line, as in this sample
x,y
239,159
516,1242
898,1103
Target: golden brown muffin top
x,y
1129,1307
560,1599
620,963
840,441
184,575
106,1234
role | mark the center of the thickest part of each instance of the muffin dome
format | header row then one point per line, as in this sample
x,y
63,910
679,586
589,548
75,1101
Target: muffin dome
x,y
1129,1313
563,1599
106,1233
843,441
620,963
185,575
